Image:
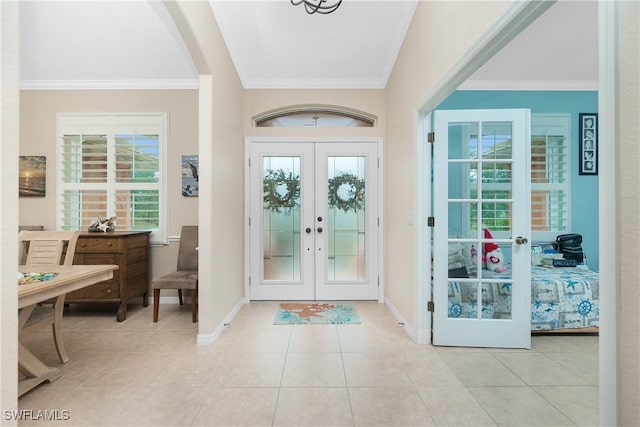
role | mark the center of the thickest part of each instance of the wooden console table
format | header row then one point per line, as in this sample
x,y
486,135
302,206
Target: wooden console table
x,y
129,250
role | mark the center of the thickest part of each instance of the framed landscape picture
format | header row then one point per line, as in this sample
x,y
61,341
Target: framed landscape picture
x,y
32,176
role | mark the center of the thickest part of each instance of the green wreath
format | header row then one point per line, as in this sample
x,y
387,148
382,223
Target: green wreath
x,y
347,192
281,190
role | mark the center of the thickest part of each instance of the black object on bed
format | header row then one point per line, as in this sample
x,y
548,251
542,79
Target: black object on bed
x,y
570,246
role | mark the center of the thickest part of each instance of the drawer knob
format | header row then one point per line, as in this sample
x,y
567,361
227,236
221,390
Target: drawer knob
x,y
109,291
110,244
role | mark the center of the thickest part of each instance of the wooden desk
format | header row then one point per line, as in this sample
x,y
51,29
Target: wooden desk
x,y
69,278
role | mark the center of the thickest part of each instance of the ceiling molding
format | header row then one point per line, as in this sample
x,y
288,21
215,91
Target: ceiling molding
x,y
109,84
314,84
556,85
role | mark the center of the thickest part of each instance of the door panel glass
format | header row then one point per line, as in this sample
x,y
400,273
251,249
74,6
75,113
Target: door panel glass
x,y
466,135
479,196
346,218
281,218
497,140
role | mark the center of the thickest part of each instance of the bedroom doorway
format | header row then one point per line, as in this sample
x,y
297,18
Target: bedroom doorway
x,y
481,207
314,220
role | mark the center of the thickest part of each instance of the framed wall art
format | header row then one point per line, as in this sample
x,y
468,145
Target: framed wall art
x,y
588,140
32,176
189,176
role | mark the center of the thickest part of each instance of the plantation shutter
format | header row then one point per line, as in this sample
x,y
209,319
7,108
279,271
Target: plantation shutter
x,y
112,166
549,175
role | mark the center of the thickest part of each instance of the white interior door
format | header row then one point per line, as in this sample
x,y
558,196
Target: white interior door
x,y
481,182
314,221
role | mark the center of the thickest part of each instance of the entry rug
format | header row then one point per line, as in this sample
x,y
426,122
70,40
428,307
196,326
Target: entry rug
x,y
295,313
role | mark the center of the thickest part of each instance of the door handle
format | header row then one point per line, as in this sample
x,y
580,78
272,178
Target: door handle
x,y
522,240
319,229
307,230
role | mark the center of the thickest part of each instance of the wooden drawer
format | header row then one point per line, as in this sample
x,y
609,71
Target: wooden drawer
x,y
100,291
98,244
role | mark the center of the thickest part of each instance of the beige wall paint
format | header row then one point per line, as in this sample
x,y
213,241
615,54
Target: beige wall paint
x,y
221,148
258,101
38,111
435,41
629,217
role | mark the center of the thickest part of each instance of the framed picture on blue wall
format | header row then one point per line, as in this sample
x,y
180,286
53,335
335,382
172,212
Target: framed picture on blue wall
x,y
588,140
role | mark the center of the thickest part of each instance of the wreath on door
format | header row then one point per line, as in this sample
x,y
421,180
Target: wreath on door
x,y
346,192
281,190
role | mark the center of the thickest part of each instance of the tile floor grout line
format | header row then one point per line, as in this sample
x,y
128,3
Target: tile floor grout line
x,y
344,372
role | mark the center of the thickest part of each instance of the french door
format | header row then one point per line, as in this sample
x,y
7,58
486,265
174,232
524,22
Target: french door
x,y
313,221
481,269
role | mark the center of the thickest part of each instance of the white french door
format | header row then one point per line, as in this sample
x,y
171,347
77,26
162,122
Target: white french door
x,y
481,182
313,221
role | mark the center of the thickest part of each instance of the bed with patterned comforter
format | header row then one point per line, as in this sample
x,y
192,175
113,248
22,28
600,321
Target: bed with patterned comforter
x,y
561,298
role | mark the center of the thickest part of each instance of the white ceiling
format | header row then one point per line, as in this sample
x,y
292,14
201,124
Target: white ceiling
x,y
134,44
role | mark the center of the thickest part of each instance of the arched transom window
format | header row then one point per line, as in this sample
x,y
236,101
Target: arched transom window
x,y
314,116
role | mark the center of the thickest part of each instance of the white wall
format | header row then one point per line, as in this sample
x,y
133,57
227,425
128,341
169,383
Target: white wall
x,y
9,135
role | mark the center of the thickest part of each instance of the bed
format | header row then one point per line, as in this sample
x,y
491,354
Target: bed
x,y
562,299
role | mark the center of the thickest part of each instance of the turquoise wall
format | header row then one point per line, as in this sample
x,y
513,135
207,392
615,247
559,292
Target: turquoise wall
x,y
584,188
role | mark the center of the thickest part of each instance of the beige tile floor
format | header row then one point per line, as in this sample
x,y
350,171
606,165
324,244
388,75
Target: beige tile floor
x,y
137,373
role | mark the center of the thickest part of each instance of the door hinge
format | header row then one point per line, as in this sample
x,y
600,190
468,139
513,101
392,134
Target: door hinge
x,y
431,221
249,281
431,137
249,161
430,306
249,221
378,281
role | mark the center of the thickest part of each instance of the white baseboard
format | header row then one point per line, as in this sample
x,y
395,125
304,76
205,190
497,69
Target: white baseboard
x,y
205,339
407,327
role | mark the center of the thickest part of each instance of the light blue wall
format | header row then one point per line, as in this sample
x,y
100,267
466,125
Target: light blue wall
x,y
584,189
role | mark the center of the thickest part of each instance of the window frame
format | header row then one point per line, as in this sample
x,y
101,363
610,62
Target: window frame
x,y
112,124
541,124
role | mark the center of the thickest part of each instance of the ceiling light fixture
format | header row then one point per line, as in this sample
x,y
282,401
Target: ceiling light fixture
x,y
318,6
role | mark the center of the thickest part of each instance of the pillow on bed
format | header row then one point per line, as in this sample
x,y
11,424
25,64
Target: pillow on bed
x,y
456,263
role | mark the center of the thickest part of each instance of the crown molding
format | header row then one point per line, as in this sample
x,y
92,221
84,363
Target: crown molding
x,y
147,84
551,85
314,84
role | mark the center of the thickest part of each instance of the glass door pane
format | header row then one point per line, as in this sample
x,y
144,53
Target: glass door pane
x,y
347,212
281,218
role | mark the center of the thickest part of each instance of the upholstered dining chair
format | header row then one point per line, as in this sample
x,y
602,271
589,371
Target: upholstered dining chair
x,y
46,248
186,274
